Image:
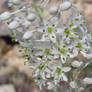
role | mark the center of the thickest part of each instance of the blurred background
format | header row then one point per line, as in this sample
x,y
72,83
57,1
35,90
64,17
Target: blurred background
x,y
15,76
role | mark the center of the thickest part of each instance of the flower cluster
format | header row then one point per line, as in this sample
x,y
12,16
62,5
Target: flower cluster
x,y
49,47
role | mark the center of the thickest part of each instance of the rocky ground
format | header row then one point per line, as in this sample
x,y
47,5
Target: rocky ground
x,y
14,75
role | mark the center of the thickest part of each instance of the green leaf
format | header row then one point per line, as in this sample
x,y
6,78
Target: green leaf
x,y
38,10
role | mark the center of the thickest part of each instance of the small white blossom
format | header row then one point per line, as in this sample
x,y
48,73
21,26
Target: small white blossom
x,y
64,77
52,37
88,56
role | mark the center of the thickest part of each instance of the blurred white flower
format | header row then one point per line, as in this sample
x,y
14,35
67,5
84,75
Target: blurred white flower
x,y
26,24
65,5
31,16
53,10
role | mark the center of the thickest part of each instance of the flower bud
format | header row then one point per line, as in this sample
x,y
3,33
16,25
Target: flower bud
x,y
13,25
31,17
73,84
5,16
26,24
53,10
76,64
27,35
65,5
66,69
87,80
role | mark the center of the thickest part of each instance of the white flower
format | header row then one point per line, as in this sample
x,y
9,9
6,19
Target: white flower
x,y
27,35
74,53
48,75
53,10
31,17
59,31
42,75
5,16
64,77
88,56
13,25
52,37
45,37
66,69
63,59
73,84
76,63
65,5
87,80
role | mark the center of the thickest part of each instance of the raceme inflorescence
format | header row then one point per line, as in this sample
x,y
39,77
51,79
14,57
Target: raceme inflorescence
x,y
49,44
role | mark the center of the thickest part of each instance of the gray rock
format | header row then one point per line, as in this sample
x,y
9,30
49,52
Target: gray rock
x,y
7,88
